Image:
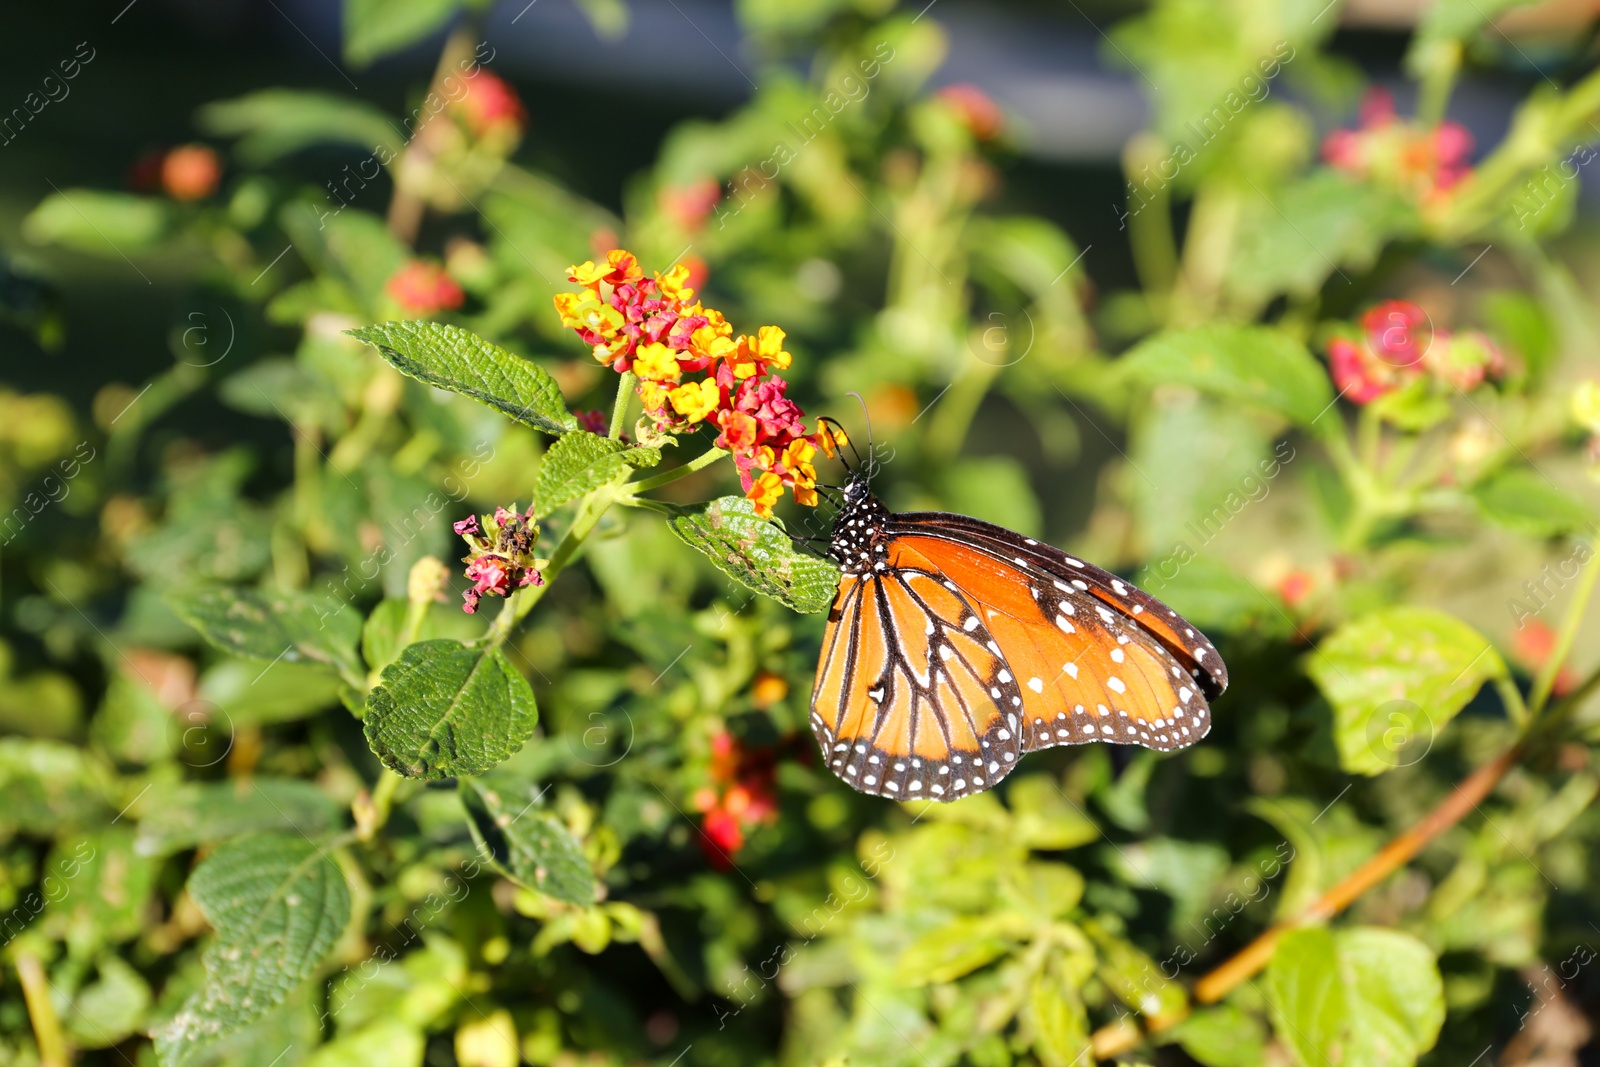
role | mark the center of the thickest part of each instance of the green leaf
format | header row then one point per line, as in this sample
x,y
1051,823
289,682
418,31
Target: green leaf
x,y
46,785
1414,407
1523,500
1310,228
1395,678
1221,1036
1134,978
1055,1016
273,123
110,1009
246,695
1257,365
445,710
105,224
955,949
452,358
104,884
580,462
278,905
758,554
1362,997
995,487
385,1043
375,28
182,816
1214,596
528,842
298,627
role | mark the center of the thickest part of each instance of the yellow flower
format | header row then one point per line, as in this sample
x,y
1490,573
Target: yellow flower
x,y
586,311
797,457
764,492
831,438
655,362
654,396
769,347
806,495
696,400
672,283
620,266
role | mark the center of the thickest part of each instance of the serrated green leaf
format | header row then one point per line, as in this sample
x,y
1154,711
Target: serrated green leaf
x,y
1055,1017
758,554
529,842
376,28
298,627
951,951
1523,500
1365,997
182,816
273,123
452,358
278,905
445,710
1256,365
580,462
1395,679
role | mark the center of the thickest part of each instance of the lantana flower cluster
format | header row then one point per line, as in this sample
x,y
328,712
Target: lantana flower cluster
x,y
693,369
1398,345
1426,162
742,794
501,559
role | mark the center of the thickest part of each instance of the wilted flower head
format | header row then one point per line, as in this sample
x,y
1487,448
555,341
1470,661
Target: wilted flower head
x,y
693,369
501,559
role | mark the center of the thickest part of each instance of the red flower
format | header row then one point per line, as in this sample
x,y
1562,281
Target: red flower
x,y
1424,161
1295,587
1532,646
1398,332
688,205
594,421
491,104
424,289
1360,377
978,112
722,838
190,172
742,794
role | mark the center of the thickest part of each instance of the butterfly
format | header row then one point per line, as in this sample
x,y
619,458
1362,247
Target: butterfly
x,y
954,647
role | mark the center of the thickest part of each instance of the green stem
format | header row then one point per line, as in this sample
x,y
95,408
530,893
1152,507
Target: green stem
x,y
948,427
383,797
42,1011
644,485
619,411
1546,678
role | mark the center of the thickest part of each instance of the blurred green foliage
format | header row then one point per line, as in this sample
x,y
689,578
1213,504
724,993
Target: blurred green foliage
x,y
266,801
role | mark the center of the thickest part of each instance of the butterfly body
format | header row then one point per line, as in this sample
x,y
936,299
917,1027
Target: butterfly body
x,y
954,647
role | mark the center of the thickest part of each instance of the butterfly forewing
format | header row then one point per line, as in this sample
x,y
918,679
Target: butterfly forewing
x,y
909,700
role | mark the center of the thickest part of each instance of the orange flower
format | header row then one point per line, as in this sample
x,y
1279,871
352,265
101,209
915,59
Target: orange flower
x,y
764,492
619,268
190,172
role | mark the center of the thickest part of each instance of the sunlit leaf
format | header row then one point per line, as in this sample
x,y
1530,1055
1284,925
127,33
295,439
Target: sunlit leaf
x,y
757,553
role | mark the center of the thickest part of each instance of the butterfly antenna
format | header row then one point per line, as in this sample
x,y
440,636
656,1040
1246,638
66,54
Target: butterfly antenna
x,y
871,461
848,440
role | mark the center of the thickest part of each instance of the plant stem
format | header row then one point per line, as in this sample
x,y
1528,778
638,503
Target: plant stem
x,y
619,410
42,1012
383,797
1545,681
407,206
644,485
1398,852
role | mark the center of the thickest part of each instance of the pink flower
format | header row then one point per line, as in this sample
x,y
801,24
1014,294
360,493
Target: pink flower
x,y
424,289
1398,331
977,110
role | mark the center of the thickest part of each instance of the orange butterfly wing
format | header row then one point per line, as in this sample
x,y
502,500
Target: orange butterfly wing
x,y
971,645
909,701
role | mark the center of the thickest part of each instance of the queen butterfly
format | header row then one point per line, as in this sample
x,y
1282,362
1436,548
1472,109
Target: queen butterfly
x,y
955,646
